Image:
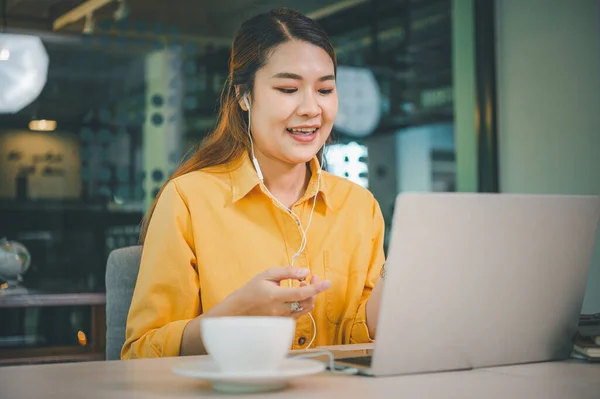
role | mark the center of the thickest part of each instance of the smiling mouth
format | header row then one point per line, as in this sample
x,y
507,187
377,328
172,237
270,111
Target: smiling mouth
x,y
303,131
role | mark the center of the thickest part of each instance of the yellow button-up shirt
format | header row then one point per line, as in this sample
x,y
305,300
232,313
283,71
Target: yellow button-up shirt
x,y
215,229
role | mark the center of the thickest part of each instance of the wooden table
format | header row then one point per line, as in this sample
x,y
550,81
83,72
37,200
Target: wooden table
x,y
153,379
33,298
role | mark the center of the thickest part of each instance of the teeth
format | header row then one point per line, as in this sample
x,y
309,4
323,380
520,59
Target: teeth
x,y
303,130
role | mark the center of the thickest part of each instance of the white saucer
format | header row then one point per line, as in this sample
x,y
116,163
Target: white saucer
x,y
251,381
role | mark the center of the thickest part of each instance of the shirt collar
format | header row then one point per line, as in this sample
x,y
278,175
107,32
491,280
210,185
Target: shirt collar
x,y
244,179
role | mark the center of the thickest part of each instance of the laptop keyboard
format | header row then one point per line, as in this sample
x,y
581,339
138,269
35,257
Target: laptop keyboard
x,y
361,360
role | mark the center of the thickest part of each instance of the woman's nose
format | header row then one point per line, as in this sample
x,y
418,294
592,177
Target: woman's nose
x,y
309,106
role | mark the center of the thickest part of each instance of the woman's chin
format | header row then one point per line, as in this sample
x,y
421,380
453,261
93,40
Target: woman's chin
x,y
301,157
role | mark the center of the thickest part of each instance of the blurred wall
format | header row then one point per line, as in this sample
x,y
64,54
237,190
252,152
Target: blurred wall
x,y
548,66
415,162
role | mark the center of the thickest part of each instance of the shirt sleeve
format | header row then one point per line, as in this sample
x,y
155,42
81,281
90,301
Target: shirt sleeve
x,y
359,331
166,295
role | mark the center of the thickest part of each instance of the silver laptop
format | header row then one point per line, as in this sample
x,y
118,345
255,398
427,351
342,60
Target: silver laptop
x,y
480,280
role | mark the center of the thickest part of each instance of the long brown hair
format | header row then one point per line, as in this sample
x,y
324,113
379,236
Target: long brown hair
x,y
252,46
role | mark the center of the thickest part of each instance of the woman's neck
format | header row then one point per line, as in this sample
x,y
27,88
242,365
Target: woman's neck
x,y
286,182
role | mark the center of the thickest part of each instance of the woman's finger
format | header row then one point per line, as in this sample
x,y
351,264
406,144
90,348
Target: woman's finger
x,y
276,274
315,279
304,307
286,309
301,293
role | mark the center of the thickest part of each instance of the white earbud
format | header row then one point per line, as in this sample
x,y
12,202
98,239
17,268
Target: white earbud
x,y
246,102
254,161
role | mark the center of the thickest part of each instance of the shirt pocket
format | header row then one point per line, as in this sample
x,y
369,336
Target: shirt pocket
x,y
336,268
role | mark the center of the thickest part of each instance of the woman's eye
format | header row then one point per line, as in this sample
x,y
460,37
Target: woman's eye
x,y
287,91
326,91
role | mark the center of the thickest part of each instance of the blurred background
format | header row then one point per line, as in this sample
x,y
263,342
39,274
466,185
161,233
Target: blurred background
x,y
101,99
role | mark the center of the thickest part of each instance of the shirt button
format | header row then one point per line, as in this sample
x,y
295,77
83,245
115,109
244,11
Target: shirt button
x,y
301,340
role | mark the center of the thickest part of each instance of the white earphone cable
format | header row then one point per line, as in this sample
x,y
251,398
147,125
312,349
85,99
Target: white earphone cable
x,y
331,362
297,219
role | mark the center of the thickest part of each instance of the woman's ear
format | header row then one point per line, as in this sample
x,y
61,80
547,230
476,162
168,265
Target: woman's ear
x,y
240,98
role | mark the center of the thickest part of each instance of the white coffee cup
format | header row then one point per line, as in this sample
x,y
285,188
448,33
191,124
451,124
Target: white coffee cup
x,y
248,343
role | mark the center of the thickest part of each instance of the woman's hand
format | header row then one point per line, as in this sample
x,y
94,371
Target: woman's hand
x,y
261,296
264,295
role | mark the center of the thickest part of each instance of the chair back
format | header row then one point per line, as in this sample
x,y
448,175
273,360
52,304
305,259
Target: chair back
x,y
121,276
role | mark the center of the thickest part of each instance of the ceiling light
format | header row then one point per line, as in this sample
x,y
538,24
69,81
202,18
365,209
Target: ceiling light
x,y
23,71
42,125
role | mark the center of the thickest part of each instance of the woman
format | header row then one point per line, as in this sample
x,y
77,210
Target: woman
x,y
249,225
